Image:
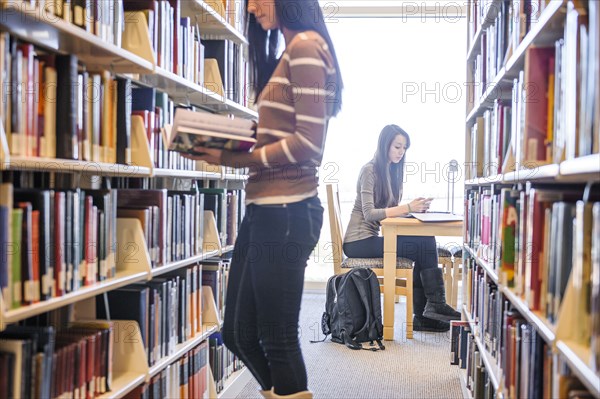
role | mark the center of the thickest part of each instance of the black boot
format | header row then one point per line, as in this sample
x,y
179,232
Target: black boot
x,y
436,307
422,323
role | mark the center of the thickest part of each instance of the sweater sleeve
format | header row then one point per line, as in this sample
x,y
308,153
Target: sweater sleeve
x,y
308,77
367,185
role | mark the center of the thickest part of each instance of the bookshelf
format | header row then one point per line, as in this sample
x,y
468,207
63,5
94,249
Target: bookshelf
x,y
522,294
102,48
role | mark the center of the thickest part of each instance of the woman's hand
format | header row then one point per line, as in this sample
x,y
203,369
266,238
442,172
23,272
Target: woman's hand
x,y
419,205
209,155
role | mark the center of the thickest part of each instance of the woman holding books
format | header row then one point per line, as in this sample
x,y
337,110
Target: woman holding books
x,y
297,92
379,191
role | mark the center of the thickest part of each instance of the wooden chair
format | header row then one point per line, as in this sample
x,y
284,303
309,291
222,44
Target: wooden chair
x,y
342,264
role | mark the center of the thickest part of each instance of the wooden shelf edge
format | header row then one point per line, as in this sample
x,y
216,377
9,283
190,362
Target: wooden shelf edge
x,y
487,21
182,263
571,353
462,376
75,166
589,164
224,27
123,384
488,269
181,349
543,328
86,292
235,383
24,20
530,39
488,360
186,174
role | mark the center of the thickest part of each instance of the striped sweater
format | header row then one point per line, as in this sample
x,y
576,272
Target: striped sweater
x,y
293,113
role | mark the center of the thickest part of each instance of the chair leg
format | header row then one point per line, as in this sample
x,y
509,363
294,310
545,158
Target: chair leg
x,y
455,278
448,283
409,307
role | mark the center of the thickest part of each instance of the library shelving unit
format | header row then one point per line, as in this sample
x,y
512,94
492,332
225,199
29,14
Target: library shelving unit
x,y
27,23
531,311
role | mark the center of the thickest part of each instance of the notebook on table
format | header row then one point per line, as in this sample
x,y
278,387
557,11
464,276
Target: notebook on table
x,y
437,217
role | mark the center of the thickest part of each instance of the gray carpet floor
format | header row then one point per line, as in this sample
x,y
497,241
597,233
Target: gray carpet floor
x,y
417,368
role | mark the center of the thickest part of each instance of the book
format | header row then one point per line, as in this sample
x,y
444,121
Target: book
x,y
194,129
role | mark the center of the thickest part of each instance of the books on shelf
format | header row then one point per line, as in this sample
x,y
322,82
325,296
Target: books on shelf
x,y
195,129
532,245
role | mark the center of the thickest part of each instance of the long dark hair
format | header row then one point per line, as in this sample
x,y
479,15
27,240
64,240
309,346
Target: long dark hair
x,y
296,15
389,176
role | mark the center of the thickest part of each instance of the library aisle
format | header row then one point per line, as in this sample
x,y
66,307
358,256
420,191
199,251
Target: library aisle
x,y
415,368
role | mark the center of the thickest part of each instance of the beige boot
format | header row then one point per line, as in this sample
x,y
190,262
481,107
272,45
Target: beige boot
x,y
266,394
297,395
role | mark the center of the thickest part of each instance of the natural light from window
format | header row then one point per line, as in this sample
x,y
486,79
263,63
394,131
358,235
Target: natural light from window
x,y
406,71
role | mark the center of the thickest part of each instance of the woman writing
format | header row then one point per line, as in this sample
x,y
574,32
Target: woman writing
x,y
297,93
379,191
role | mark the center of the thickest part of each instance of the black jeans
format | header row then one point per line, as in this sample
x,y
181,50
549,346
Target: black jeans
x,y
266,279
420,249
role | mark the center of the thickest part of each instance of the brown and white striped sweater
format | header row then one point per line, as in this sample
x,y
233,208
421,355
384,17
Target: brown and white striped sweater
x,y
293,114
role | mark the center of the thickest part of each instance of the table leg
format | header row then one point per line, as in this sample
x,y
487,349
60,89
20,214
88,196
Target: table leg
x,y
389,281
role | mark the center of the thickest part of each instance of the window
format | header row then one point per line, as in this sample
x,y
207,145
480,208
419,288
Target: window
x,y
406,71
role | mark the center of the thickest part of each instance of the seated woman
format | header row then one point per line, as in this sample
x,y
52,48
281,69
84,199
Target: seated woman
x,y
379,191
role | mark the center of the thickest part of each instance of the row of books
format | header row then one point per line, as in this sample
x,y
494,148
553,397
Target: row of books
x,y
508,21
515,18
466,354
168,310
223,362
515,231
56,241
214,275
514,346
523,358
40,362
553,113
185,378
102,18
55,108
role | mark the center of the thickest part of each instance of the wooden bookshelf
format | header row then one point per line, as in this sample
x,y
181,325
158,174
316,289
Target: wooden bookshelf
x,y
54,35
235,383
37,26
36,164
123,383
490,363
541,324
160,270
121,280
211,21
489,271
462,376
577,356
182,349
490,14
546,30
188,92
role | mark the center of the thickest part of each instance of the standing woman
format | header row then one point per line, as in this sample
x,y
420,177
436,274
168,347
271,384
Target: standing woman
x,y
379,191
297,92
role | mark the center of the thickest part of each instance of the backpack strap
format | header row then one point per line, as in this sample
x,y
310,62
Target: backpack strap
x,y
363,296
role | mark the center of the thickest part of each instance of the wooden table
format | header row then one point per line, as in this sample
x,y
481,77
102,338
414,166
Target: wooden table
x,y
393,227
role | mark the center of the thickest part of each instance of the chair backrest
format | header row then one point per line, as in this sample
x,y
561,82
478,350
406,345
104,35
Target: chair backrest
x,y
335,224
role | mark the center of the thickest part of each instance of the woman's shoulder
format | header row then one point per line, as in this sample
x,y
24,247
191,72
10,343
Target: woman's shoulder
x,y
308,41
368,170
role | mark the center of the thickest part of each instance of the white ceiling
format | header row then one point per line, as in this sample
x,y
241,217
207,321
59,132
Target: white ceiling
x,y
392,8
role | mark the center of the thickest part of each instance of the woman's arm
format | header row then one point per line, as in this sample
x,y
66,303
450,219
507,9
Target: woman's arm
x,y
367,197
308,79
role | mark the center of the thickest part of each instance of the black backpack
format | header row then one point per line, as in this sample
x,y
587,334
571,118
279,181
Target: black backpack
x,y
353,309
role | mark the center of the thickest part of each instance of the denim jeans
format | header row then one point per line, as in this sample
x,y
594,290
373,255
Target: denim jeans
x,y
420,249
266,279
